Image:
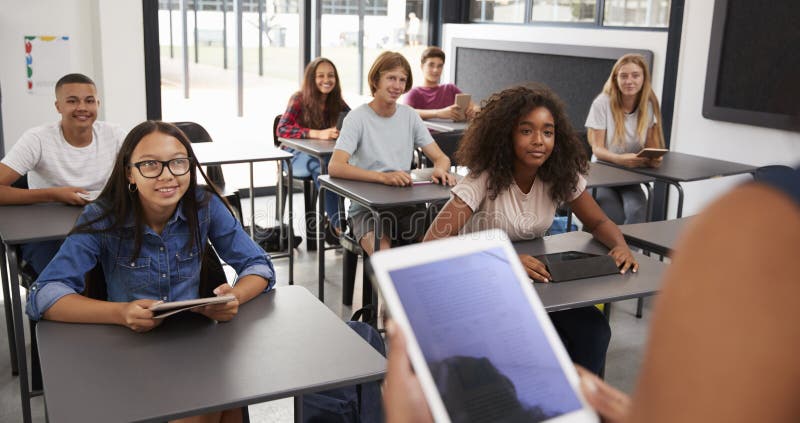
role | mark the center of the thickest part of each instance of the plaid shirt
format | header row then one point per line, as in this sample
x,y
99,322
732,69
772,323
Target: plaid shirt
x,y
289,126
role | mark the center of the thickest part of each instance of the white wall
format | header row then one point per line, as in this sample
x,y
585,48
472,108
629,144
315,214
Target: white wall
x,y
694,134
106,38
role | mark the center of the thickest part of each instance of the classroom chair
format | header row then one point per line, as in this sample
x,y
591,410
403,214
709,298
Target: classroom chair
x,y
197,134
310,193
448,142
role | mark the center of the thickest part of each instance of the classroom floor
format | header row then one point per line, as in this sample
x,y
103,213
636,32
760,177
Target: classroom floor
x,y
624,355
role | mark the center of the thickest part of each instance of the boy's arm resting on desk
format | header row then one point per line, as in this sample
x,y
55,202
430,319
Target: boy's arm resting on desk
x,y
441,164
339,167
604,230
17,196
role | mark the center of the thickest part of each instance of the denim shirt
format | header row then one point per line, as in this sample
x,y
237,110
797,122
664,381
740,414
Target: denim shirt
x,y
165,269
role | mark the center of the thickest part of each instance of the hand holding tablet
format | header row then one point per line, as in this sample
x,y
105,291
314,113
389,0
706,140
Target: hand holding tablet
x,y
652,153
473,362
162,310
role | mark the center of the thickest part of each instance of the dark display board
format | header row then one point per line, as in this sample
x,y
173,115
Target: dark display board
x,y
753,72
575,73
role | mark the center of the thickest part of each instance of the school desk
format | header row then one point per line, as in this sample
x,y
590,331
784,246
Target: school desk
x,y
681,167
375,197
20,225
284,343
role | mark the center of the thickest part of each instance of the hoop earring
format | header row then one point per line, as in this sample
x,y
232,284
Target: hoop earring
x,y
132,188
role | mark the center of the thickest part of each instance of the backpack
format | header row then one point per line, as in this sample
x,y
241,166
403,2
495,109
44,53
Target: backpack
x,y
349,404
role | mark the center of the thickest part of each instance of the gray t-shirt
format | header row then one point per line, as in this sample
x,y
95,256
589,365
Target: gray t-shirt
x,y
600,117
381,143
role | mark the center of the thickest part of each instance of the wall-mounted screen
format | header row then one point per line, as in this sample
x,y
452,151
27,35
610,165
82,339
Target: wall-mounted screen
x,y
753,72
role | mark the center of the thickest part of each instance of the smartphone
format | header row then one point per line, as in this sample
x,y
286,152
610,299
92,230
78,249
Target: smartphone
x,y
652,153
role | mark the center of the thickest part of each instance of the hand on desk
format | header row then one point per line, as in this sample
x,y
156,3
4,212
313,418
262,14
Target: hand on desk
x,y
443,177
535,268
69,195
137,317
220,312
655,163
631,160
397,178
324,134
624,259
452,112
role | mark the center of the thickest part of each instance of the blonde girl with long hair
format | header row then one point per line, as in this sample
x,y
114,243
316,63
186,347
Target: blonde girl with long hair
x,y
623,119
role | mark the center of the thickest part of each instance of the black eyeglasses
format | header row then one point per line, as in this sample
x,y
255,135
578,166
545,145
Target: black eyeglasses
x,y
154,168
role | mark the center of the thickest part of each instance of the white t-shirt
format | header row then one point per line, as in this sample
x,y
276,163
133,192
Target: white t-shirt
x,y
50,161
521,216
600,117
380,143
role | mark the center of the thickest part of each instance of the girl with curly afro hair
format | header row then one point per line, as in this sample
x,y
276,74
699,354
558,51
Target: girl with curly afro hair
x,y
524,159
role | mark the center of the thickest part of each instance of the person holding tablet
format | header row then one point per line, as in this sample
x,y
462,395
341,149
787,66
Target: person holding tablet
x,y
624,119
702,354
524,159
312,113
148,230
377,143
434,100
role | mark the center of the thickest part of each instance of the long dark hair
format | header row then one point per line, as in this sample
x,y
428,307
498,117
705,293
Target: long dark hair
x,y
488,143
319,113
117,202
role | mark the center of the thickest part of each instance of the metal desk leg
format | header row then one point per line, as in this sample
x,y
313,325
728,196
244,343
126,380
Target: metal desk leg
x,y
680,197
12,351
298,408
639,307
291,225
321,244
252,205
649,215
366,285
16,306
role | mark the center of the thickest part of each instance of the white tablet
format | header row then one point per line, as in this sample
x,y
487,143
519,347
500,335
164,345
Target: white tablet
x,y
479,338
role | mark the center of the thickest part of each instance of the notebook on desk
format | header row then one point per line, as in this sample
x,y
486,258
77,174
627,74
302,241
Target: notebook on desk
x,y
424,175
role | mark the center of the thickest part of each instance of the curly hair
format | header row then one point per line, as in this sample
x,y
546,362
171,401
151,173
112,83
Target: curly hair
x,y
488,143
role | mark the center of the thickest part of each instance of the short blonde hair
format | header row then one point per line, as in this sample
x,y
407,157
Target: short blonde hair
x,y
387,61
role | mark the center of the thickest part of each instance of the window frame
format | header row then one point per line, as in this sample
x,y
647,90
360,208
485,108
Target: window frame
x,y
599,17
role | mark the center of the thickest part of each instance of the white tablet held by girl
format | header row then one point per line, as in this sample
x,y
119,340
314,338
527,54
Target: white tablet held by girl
x,y
479,338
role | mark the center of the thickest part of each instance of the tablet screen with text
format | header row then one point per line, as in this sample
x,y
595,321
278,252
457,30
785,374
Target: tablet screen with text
x,y
484,343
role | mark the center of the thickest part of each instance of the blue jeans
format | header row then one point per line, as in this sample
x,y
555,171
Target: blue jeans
x,y
305,165
39,254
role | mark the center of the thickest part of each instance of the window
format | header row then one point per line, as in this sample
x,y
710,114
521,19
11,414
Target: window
x,y
564,10
497,11
628,13
641,13
350,7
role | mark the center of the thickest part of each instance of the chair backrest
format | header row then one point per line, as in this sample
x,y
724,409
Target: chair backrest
x,y
196,133
275,130
773,172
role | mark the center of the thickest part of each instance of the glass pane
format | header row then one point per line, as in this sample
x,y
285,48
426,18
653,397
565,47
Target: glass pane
x,y
564,10
497,11
212,100
642,13
396,25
